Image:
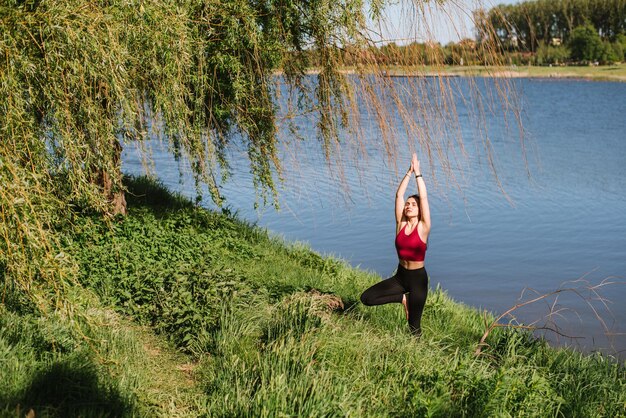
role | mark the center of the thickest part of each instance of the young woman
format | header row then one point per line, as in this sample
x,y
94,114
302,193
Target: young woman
x,y
409,285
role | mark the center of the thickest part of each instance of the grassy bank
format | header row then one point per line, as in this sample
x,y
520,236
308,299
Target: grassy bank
x,y
185,312
601,73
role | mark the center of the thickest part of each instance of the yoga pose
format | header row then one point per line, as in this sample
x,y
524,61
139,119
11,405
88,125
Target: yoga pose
x,y
409,285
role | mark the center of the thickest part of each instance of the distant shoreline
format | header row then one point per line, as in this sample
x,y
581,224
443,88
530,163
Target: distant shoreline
x,y
615,73
599,73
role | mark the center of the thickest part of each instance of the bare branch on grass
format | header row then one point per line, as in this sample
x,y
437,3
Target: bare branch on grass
x,y
587,292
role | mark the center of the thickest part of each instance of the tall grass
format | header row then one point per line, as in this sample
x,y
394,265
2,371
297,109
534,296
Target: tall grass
x,y
278,330
103,366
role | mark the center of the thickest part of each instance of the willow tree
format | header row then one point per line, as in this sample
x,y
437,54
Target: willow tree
x,y
79,80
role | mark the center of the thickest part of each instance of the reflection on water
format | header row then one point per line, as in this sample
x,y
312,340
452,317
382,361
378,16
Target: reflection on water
x,y
566,222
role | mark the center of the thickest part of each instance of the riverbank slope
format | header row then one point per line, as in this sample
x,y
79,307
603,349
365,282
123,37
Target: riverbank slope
x,y
185,312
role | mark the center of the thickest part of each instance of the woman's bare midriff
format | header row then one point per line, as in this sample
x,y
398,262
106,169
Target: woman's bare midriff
x,y
411,265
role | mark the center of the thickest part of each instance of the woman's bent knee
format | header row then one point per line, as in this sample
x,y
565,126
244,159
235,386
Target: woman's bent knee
x,y
366,299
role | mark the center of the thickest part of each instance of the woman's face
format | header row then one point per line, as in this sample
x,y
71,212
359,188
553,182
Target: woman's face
x,y
411,208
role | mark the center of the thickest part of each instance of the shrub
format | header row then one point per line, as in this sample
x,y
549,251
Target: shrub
x,y
548,54
585,44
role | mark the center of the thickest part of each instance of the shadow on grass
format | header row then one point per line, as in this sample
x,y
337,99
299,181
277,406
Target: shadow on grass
x,y
144,191
68,388
146,194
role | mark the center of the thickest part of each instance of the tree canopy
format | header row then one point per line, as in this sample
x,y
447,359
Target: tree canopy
x,y
528,24
79,79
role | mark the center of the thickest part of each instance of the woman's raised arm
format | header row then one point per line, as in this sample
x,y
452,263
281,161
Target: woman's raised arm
x,y
421,189
400,197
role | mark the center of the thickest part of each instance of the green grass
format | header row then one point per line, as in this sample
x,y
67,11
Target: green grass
x,y
95,364
264,328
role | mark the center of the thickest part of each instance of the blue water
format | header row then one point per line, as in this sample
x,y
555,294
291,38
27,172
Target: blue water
x,y
557,221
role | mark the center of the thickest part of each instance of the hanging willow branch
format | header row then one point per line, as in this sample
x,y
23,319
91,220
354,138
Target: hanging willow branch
x,y
80,80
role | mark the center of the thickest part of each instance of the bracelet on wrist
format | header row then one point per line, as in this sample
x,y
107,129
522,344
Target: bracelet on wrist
x,y
418,175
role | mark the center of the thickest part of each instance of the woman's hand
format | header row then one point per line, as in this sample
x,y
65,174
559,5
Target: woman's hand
x,y
415,164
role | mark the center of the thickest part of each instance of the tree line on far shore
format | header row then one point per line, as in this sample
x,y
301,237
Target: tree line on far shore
x,y
557,31
538,32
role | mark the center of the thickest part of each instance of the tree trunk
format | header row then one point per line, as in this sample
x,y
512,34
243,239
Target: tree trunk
x,y
116,199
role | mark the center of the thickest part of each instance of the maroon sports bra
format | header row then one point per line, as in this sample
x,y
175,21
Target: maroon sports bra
x,y
410,247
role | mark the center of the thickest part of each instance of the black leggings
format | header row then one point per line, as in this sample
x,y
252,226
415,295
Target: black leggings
x,y
413,282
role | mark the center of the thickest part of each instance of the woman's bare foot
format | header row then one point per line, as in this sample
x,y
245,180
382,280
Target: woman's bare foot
x,y
406,307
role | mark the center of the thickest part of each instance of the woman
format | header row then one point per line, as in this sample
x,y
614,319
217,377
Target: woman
x,y
409,285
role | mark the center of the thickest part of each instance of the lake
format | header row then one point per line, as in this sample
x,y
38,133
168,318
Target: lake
x,y
557,222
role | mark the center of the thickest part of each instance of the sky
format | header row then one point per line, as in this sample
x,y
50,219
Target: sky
x,y
407,23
